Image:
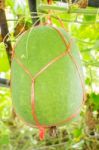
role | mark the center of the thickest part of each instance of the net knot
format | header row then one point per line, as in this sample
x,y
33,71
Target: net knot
x,y
42,132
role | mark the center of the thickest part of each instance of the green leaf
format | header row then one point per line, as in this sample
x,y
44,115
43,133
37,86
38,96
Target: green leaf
x,y
77,132
87,81
89,17
4,64
4,139
95,100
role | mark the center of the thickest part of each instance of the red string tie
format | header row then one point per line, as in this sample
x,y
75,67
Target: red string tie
x,y
41,133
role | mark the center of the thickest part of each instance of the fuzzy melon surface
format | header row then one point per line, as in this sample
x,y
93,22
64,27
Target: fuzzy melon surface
x,y
58,90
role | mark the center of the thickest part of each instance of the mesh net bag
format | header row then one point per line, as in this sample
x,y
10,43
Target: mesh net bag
x,y
46,77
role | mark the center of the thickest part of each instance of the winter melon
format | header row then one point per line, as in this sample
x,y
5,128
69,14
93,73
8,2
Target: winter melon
x,y
58,89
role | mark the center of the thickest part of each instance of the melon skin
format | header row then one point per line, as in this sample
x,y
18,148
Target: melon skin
x,y
58,90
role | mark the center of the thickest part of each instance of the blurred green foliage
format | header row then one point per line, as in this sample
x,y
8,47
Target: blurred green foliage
x,y
14,134
4,64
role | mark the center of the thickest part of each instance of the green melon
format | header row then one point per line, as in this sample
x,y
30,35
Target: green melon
x,y
58,90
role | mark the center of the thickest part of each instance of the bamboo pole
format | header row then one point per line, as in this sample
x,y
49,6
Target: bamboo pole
x,y
4,83
87,11
33,8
